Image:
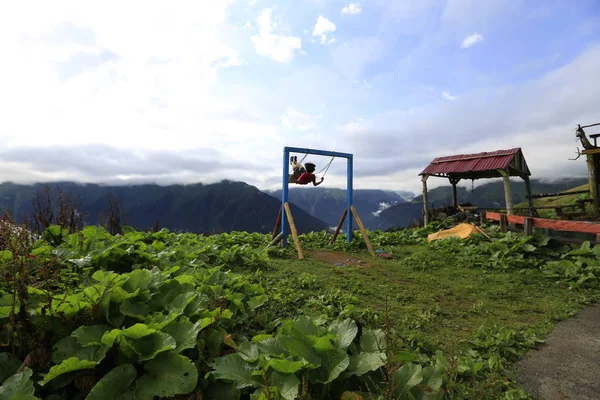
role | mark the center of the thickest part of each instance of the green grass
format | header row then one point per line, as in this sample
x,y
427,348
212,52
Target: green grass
x,y
433,299
557,201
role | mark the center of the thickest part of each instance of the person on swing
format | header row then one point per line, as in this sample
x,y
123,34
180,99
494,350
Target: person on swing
x,y
303,175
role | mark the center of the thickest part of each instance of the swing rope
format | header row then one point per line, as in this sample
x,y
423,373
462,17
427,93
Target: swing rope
x,y
326,167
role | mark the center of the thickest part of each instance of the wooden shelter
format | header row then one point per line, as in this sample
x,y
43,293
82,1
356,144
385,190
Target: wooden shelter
x,y
496,164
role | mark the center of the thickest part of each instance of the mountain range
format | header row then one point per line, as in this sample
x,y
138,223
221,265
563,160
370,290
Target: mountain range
x,y
235,206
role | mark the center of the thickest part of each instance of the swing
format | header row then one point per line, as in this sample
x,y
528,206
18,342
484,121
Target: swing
x,y
326,168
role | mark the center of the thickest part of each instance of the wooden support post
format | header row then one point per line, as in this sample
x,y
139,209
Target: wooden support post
x,y
507,191
482,219
592,181
502,222
363,231
275,240
529,198
339,227
528,227
288,213
277,225
597,237
425,204
454,181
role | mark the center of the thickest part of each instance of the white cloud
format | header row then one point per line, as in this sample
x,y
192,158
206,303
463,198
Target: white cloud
x,y
323,28
294,119
352,9
449,97
278,47
471,40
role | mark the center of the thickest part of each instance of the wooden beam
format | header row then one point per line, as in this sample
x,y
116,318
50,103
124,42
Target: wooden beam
x,y
363,231
339,227
425,202
288,212
482,217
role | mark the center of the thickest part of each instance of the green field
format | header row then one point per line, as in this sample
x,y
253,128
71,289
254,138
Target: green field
x,y
163,315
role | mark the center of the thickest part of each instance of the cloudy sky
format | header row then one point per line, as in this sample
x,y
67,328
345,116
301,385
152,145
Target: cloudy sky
x,y
204,90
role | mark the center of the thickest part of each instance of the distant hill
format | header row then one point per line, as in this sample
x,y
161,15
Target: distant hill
x,y
328,204
220,207
487,195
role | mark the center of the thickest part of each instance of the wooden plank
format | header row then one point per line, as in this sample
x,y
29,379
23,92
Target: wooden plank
x,y
288,212
339,227
482,217
363,231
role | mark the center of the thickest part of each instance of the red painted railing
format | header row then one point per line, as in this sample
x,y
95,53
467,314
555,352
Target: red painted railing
x,y
557,225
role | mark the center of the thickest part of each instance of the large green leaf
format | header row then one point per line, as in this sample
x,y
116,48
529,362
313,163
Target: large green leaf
x,y
68,347
257,301
90,335
169,374
300,348
407,377
134,309
286,366
8,366
114,383
287,384
148,346
184,332
233,368
138,279
364,362
373,341
429,389
68,365
18,385
271,346
335,361
345,332
249,351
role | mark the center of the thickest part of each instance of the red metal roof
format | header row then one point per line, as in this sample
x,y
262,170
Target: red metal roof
x,y
465,163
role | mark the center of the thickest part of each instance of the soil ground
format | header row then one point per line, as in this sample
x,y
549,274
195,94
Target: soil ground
x,y
338,257
567,366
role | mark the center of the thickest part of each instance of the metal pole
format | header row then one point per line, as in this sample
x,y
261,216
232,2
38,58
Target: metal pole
x,y
284,192
349,198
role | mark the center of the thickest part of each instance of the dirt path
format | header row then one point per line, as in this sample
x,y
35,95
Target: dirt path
x,y
567,366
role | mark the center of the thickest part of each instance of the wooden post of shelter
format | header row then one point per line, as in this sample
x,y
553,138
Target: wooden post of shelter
x,y
454,181
528,226
529,195
425,203
503,223
507,190
288,213
363,231
339,227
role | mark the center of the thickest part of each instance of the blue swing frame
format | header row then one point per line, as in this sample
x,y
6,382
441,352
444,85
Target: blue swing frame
x,y
285,190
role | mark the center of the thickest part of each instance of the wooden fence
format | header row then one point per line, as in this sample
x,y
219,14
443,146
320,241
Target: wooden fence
x,y
529,223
